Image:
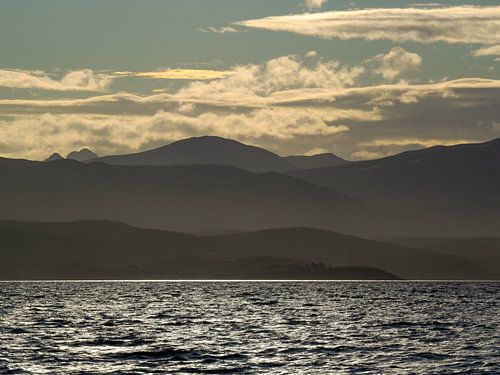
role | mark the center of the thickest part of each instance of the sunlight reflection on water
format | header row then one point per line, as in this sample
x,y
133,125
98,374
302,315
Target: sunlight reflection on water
x,y
249,327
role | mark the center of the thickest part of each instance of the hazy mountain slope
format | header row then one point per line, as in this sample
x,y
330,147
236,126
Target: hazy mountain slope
x,y
206,150
97,249
319,271
103,249
183,198
341,250
108,250
458,184
10,164
484,251
315,161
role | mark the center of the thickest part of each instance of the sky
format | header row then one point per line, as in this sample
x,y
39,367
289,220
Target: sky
x,y
362,79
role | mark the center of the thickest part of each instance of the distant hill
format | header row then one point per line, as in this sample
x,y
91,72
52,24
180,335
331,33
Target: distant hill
x,y
484,251
221,151
191,198
83,155
315,161
53,157
109,250
457,185
16,164
98,249
313,245
206,150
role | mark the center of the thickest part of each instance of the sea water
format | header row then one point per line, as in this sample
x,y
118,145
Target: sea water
x,y
249,327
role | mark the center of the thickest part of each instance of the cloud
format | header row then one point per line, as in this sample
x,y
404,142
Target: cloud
x,y
496,126
244,105
395,63
77,80
37,137
245,92
316,151
458,24
218,30
366,155
422,142
276,75
383,147
314,4
311,54
120,123
289,104
185,74
487,51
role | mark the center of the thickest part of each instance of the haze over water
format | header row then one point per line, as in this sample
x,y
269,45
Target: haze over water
x,y
249,327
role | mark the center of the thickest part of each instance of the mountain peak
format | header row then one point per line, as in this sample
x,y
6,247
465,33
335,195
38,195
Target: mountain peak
x,y
215,141
83,155
205,150
207,138
216,150
55,156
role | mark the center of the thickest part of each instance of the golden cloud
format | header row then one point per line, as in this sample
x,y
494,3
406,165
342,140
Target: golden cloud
x,y
455,24
425,142
186,74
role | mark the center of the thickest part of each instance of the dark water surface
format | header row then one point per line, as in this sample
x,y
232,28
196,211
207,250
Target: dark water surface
x,y
249,327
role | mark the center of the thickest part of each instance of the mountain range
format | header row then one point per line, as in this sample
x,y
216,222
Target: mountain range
x,y
186,198
459,186
213,185
102,249
83,155
210,150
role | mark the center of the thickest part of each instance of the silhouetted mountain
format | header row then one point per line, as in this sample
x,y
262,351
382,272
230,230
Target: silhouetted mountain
x,y
457,185
54,156
12,164
183,198
206,150
315,161
83,155
92,249
484,251
108,250
320,246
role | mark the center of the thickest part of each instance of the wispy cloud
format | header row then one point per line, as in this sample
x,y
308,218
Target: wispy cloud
x,y
184,74
383,147
77,80
487,51
366,155
218,30
349,102
458,24
290,104
423,142
38,136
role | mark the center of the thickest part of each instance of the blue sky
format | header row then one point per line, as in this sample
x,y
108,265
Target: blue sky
x,y
87,74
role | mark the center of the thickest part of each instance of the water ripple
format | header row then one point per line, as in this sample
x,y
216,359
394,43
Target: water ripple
x,y
272,327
